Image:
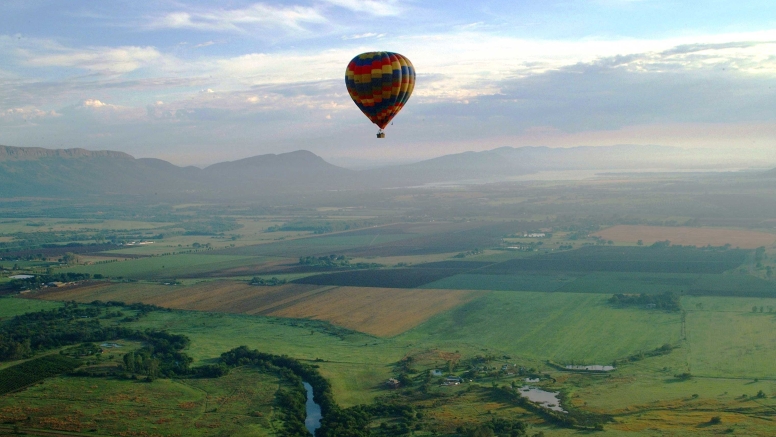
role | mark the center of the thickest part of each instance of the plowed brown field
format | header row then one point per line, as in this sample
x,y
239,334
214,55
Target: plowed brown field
x,y
383,312
376,311
688,236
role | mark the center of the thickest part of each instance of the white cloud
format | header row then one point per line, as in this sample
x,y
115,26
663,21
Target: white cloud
x,y
106,112
239,20
364,35
25,114
93,103
205,44
98,59
373,7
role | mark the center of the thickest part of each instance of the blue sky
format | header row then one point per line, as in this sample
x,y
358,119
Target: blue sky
x,y
195,83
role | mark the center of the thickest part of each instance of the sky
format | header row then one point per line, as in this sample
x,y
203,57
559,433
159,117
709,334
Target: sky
x,y
194,83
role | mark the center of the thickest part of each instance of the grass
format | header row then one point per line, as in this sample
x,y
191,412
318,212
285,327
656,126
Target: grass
x,y
727,339
238,404
12,306
526,282
356,363
164,266
562,327
632,283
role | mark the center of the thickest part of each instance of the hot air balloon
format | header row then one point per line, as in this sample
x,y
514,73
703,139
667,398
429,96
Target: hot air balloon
x,y
380,83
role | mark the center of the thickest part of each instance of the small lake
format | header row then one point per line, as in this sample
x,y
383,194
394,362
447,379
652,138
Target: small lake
x,y
547,399
313,410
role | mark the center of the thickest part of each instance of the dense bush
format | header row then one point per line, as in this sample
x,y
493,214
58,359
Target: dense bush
x,y
666,301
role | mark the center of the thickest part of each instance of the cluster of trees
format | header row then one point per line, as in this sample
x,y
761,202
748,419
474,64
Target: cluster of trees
x,y
322,226
335,261
161,356
38,280
27,240
665,301
24,335
496,427
468,253
213,226
665,349
267,282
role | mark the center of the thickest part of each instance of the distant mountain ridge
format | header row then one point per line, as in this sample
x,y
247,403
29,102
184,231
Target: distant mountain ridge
x,y
39,172
8,153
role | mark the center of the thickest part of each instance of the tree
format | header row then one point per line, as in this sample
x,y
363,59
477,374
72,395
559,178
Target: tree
x,y
69,258
759,254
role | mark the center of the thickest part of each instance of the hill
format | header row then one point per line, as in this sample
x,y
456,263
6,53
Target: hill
x,y
37,172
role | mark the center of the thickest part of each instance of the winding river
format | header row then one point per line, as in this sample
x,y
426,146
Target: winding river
x,y
313,420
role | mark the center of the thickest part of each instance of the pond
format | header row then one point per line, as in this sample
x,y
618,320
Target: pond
x,y
313,410
546,399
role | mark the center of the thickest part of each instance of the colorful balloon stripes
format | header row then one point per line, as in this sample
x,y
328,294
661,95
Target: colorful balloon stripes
x,y
380,83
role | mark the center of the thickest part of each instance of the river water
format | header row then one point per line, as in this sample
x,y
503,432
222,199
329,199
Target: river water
x,y
313,420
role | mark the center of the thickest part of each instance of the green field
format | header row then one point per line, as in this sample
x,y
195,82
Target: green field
x,y
633,283
526,282
11,306
562,327
316,245
239,404
355,363
166,266
727,339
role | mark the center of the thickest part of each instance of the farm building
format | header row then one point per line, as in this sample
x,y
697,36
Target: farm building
x,y
452,380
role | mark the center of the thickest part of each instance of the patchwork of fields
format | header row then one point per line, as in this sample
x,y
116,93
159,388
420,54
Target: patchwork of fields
x,y
450,302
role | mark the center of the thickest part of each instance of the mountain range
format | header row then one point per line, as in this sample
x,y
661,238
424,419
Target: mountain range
x,y
38,172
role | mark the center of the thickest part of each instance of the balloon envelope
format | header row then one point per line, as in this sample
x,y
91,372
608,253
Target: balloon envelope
x,y
380,83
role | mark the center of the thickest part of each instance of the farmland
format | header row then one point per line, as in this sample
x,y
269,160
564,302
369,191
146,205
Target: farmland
x,y
164,267
376,311
559,326
745,239
449,280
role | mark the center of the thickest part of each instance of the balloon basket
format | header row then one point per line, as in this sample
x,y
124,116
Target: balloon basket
x,y
381,135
